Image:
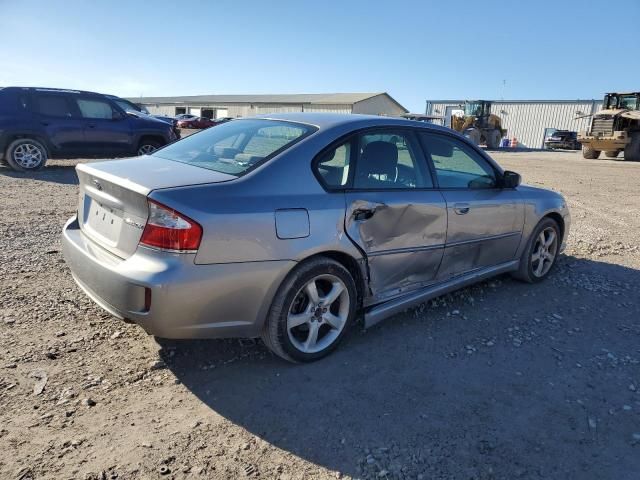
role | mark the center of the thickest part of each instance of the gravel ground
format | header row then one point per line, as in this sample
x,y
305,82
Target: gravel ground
x,y
499,381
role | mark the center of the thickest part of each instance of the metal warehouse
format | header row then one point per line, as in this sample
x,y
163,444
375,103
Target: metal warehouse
x,y
218,106
529,121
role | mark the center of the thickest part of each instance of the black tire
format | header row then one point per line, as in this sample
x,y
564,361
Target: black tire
x,y
525,270
493,139
611,154
275,333
148,146
632,150
18,157
590,153
473,134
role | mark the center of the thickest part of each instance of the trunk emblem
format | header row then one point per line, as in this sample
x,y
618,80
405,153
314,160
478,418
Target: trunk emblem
x,y
133,223
96,184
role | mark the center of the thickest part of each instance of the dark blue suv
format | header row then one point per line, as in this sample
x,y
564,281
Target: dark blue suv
x,y
41,123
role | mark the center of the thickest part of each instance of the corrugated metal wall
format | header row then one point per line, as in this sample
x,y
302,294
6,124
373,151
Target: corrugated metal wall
x,y
527,121
247,110
328,108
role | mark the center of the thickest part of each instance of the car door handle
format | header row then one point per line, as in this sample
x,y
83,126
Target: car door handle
x,y
91,126
461,208
364,213
46,124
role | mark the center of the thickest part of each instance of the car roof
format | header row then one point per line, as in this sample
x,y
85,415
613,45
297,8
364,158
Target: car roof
x,y
330,120
57,90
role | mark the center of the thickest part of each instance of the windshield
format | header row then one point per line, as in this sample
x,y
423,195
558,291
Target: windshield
x,y
237,146
630,102
473,108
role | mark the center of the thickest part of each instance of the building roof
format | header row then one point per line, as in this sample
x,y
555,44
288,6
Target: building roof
x,y
296,98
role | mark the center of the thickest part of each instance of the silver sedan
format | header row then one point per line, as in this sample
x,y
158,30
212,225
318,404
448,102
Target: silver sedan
x,y
291,227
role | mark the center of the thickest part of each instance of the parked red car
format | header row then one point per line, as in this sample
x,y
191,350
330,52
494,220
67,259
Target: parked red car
x,y
196,123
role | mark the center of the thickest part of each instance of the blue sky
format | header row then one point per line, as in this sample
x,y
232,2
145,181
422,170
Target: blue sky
x,y
415,50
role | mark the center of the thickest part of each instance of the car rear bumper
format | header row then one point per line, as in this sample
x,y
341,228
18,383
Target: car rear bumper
x,y
170,296
560,144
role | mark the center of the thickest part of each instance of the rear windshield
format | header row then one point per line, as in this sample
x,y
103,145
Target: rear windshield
x,y
237,146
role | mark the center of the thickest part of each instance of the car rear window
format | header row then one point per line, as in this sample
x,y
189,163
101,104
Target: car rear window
x,y
236,147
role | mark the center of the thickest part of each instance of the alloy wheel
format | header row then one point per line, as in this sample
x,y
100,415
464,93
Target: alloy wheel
x,y
544,252
146,149
28,155
318,314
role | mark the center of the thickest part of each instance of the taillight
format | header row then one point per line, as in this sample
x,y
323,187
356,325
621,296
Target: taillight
x,y
169,230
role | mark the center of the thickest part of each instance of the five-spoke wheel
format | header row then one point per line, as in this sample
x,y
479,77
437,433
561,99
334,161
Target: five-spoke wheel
x,y
318,313
312,310
544,251
541,252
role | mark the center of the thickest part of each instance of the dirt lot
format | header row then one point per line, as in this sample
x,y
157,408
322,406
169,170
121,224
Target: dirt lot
x,y
502,380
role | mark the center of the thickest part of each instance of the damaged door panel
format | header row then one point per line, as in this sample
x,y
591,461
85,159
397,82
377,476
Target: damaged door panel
x,y
402,234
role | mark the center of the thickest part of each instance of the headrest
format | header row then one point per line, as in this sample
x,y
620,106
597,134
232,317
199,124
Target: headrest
x,y
225,152
247,158
379,158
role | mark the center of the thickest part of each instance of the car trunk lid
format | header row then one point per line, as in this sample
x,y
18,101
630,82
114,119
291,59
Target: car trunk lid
x,y
113,208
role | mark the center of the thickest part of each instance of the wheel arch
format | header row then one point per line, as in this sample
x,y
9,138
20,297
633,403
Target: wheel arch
x,y
558,219
18,136
151,136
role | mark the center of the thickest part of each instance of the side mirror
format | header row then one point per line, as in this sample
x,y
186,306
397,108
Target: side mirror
x,y
510,179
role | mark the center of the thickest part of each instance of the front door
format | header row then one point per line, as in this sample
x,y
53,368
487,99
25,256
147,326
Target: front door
x,y
393,212
485,221
107,129
58,118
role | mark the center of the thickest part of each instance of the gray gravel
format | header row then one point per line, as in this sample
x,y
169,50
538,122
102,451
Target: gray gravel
x,y
498,381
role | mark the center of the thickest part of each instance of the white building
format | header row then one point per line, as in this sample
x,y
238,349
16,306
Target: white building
x,y
218,106
529,121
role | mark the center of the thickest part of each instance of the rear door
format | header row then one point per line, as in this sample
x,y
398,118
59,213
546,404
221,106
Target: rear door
x,y
107,128
393,212
58,117
485,221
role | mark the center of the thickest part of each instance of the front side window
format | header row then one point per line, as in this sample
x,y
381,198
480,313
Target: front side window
x,y
129,107
388,160
95,109
457,166
53,106
235,147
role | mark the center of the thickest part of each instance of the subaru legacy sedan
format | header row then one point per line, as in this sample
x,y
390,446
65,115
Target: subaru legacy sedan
x,y
293,226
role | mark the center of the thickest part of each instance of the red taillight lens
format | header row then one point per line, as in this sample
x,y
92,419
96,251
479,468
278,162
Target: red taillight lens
x,y
170,230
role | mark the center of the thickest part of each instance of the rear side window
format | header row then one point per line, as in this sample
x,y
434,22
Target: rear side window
x,y
12,101
53,106
236,147
95,109
333,166
388,160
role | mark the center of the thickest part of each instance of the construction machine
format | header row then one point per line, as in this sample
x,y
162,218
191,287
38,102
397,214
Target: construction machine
x,y
614,128
478,124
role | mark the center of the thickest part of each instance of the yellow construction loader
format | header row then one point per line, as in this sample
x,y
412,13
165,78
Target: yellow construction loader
x,y
478,124
615,128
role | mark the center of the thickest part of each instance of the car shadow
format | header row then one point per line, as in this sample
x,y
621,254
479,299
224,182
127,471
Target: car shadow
x,y
474,385
62,174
